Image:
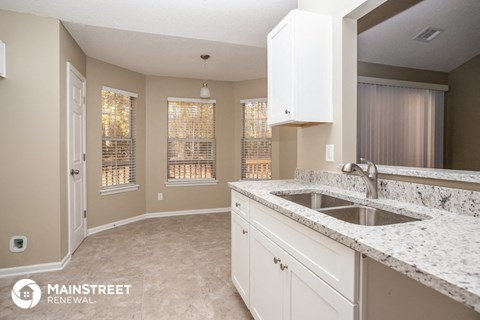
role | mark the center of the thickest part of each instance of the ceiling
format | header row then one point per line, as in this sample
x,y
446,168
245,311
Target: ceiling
x,y
391,41
167,37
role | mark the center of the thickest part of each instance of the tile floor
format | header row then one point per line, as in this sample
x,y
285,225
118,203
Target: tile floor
x,y
178,267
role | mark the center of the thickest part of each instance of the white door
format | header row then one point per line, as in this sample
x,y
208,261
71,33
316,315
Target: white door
x,y
76,161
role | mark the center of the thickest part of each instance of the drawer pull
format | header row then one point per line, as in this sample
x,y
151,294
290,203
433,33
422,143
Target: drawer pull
x,y
237,204
287,111
244,231
283,266
276,260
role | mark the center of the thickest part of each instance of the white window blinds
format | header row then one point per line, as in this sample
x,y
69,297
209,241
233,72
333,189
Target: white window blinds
x,y
191,140
118,138
256,141
400,126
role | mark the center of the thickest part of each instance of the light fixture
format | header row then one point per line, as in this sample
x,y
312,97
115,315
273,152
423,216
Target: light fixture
x,y
204,91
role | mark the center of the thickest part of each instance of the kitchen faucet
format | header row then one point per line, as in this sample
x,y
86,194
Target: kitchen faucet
x,y
369,176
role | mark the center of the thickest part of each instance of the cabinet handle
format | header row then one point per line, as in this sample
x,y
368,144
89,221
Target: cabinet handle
x,y
237,204
287,111
283,266
244,231
276,260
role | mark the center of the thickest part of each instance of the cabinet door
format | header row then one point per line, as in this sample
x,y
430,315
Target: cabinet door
x,y
241,257
281,73
309,297
267,280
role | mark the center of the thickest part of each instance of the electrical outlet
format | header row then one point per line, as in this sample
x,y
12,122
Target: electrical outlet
x,y
329,152
159,196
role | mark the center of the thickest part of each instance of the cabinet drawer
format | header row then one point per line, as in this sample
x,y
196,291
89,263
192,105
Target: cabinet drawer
x,y
333,262
240,205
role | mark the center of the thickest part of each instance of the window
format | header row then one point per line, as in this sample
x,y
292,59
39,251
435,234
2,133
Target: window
x,y
118,140
400,126
257,141
191,141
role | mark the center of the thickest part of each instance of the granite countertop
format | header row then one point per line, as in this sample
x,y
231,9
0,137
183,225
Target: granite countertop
x,y
441,252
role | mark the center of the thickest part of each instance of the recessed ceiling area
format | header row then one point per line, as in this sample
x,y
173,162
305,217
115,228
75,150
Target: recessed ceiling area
x,y
167,37
391,41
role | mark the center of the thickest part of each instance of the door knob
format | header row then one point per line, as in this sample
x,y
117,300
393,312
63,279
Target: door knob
x,y
74,172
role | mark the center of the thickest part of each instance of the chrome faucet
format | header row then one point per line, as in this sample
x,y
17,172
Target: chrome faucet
x,y
369,176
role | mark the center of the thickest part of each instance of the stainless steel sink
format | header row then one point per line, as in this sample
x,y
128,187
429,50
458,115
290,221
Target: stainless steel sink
x,y
366,216
315,200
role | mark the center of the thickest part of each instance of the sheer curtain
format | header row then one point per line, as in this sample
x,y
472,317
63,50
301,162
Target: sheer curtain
x,y
400,126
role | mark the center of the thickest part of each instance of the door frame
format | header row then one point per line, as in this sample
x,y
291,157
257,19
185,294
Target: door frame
x,y
71,68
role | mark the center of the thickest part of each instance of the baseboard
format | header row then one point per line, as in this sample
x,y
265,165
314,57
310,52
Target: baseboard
x,y
154,215
56,266
185,212
35,268
114,224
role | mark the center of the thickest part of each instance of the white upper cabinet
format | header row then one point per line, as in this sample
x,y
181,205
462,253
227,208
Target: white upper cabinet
x,y
300,69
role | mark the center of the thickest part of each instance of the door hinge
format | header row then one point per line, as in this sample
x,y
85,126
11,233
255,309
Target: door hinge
x,y
84,157
84,214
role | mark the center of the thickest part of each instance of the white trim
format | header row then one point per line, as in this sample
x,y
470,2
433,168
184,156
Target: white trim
x,y
154,215
186,212
401,83
114,224
126,93
114,190
190,183
35,268
174,99
245,101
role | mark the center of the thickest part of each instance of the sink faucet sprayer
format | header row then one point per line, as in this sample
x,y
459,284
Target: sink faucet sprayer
x,y
369,176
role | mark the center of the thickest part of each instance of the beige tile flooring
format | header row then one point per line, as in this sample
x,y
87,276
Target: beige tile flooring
x,y
178,267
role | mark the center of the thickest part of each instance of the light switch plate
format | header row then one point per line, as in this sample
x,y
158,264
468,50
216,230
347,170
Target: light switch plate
x,y
329,152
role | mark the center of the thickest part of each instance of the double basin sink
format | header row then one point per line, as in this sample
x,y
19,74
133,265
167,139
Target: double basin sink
x,y
345,210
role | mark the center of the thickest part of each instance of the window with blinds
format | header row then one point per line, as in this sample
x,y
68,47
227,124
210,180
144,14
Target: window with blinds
x,y
118,138
256,141
191,140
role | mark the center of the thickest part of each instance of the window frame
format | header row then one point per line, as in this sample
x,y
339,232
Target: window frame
x,y
180,182
244,102
131,186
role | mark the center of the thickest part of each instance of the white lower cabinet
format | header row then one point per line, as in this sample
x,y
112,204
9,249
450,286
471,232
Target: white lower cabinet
x,y
267,279
285,271
241,256
282,288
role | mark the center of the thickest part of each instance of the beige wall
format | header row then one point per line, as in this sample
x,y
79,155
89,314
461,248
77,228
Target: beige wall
x,y
462,135
30,192
110,208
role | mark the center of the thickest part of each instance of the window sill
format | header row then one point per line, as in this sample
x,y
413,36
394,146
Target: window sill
x,y
114,190
191,183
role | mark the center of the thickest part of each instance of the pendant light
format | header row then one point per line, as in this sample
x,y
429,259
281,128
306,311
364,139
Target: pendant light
x,y
204,91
